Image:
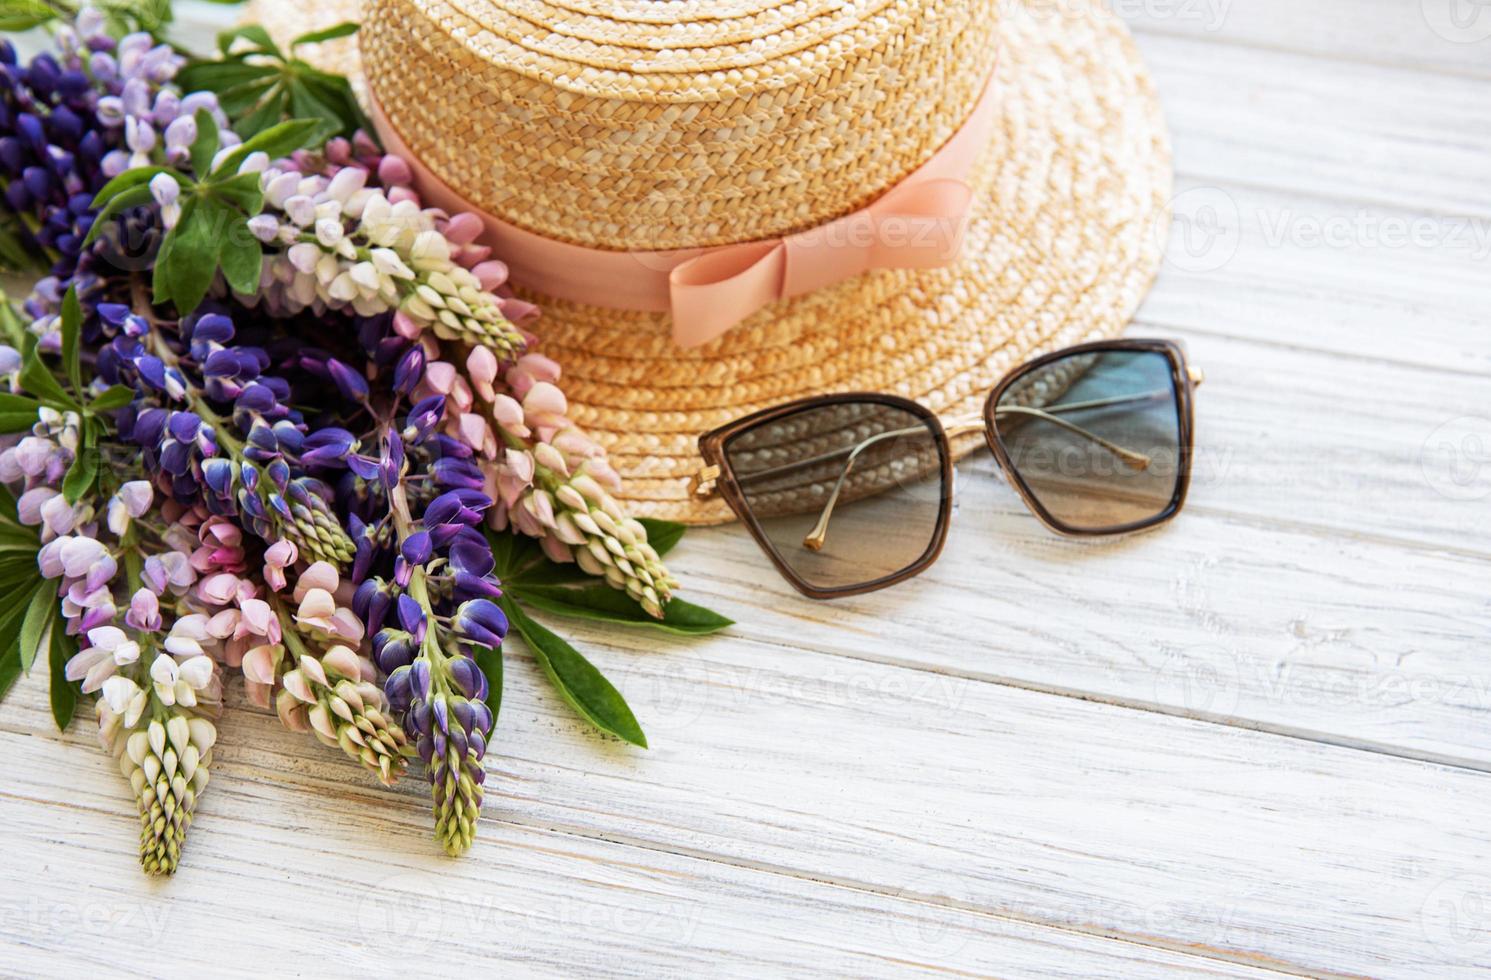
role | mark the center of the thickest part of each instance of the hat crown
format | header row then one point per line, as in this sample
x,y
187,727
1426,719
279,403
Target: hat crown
x,y
658,124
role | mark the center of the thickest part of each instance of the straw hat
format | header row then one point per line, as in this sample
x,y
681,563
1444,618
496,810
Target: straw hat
x,y
645,125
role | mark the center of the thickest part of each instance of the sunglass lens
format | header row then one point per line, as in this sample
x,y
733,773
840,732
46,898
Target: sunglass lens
x,y
845,494
1095,437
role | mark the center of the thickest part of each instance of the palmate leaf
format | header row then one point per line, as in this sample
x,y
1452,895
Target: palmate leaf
x,y
259,85
36,379
204,147
115,397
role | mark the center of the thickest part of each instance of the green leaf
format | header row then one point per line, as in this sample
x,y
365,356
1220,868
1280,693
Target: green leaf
x,y
116,397
307,105
344,29
252,33
10,668
242,258
511,551
274,108
131,197
605,604
17,403
188,256
242,191
18,253
219,76
277,141
579,683
39,611
22,15
662,535
239,100
81,475
204,147
16,421
37,379
134,177
490,662
8,510
72,324
64,694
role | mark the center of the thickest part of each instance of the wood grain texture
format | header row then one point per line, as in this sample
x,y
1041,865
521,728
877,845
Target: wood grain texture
x,y
1255,743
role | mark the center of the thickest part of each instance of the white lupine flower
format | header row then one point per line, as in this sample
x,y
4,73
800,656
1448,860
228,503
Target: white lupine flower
x,y
365,274
304,256
327,269
430,247
118,692
264,227
137,496
79,554
196,672
328,208
279,189
301,210
387,261
117,517
348,181
342,289
311,185
170,687
166,191
254,163
181,133
183,646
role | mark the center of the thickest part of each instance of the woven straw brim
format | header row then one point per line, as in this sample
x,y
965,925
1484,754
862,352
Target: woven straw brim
x,y
1064,240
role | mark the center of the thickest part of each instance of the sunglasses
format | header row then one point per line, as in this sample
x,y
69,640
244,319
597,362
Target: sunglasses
x,y
851,493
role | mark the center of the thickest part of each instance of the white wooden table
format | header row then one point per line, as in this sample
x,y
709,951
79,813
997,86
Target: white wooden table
x,y
1255,742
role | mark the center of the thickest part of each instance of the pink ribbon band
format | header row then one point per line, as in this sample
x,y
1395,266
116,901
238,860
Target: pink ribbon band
x,y
917,224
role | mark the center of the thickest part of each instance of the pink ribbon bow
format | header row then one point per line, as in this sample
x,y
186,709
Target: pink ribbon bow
x,y
917,224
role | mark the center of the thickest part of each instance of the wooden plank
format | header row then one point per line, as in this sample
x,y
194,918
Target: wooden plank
x,y
1258,268
1336,639
1359,447
1436,35
1265,850
316,875
1399,138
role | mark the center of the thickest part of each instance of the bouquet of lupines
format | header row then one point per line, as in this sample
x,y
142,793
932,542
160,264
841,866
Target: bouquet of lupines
x,y
267,416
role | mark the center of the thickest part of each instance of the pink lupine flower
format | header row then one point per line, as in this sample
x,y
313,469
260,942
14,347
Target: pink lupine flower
x,y
144,611
320,575
529,370
514,475
278,557
481,370
544,409
509,415
219,589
